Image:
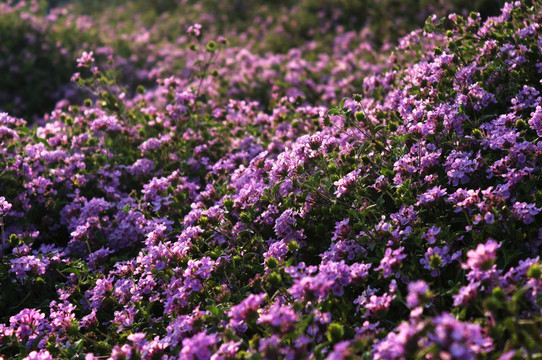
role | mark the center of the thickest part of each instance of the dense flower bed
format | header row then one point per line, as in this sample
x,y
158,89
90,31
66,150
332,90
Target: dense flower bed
x,y
229,213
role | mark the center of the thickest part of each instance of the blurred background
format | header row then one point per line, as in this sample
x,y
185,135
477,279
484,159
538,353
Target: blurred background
x,y
40,40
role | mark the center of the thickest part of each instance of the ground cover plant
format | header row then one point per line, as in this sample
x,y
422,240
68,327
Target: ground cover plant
x,y
341,196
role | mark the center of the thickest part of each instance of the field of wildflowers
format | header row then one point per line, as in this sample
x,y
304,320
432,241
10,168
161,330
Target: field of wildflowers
x,y
308,179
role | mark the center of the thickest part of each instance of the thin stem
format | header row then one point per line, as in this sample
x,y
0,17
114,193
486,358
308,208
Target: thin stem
x,y
3,237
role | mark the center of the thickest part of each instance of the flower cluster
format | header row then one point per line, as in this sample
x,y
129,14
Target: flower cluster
x,y
213,204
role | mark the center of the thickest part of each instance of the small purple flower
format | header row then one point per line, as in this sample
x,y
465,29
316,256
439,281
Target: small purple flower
x,y
397,344
106,123
277,250
459,340
483,257
431,195
270,347
86,59
284,225
391,261
536,120
198,347
431,234
489,218
528,97
346,182
436,258
466,294
227,350
6,134
373,304
307,287
124,318
194,30
141,167
28,265
418,292
27,325
121,352
39,355
458,165
4,206
245,311
340,351
525,212
138,340
279,316
341,230
480,97
199,268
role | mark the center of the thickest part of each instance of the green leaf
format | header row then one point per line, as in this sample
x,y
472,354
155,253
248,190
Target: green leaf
x,y
213,310
24,130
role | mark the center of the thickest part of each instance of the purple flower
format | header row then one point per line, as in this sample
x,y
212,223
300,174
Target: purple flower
x,y
227,350
121,352
245,311
342,249
341,230
481,263
528,97
270,347
431,195
4,206
194,30
306,287
466,294
458,165
28,265
279,316
106,123
464,199
6,134
418,292
138,340
199,268
124,318
141,167
340,351
536,120
346,182
391,261
525,212
277,250
431,234
480,97
405,216
39,355
397,344
61,316
436,258
198,347
27,325
86,59
483,257
459,340
373,304
284,225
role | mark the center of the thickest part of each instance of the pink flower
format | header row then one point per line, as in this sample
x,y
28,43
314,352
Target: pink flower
x,y
4,206
194,30
86,59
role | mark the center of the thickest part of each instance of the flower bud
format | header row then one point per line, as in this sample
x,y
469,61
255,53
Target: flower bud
x,y
335,332
272,263
534,271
